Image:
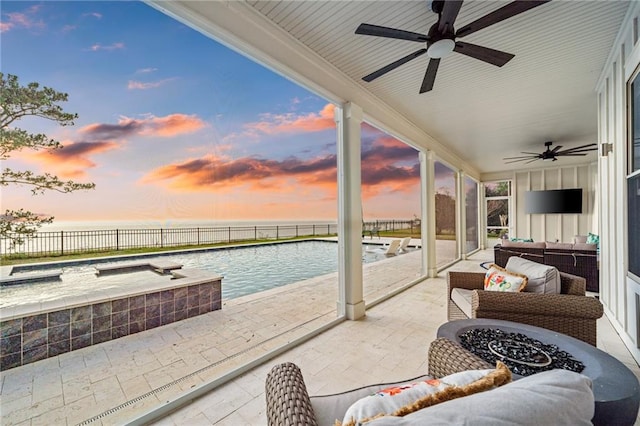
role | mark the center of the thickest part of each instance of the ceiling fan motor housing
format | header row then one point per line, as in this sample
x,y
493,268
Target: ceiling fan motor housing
x,y
440,44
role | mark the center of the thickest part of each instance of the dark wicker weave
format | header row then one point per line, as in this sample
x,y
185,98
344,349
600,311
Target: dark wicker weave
x,y
583,263
570,312
288,402
447,357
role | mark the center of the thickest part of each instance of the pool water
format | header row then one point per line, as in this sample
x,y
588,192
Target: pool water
x,y
245,270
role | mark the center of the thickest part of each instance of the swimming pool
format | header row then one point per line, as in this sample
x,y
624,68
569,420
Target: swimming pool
x,y
245,270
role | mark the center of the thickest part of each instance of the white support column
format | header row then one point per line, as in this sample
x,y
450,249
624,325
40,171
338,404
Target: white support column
x,y
428,227
348,120
461,220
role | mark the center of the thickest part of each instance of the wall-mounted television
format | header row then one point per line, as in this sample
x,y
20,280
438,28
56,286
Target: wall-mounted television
x,y
553,201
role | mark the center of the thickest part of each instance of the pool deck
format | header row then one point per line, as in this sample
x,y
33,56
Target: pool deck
x,y
116,381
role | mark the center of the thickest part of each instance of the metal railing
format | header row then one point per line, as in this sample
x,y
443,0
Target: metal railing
x,y
61,243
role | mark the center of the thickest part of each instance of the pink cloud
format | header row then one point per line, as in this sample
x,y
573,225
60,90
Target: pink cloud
x,y
167,126
391,167
73,159
24,20
271,124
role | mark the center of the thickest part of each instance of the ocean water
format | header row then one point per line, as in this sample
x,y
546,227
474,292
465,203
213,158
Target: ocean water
x,y
62,225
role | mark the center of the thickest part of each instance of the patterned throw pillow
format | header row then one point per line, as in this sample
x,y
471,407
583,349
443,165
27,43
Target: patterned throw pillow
x,y
499,279
593,239
402,400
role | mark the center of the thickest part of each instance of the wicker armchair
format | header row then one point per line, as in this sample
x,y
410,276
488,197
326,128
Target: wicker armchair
x,y
570,312
289,404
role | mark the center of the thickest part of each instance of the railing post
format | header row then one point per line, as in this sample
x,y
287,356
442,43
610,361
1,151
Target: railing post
x,y
255,233
229,231
277,232
62,243
198,232
117,239
161,238
296,231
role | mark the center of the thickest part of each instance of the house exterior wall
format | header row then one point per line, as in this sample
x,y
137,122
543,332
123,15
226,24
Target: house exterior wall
x,y
552,227
619,293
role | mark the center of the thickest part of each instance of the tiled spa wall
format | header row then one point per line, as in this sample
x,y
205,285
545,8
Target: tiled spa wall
x,y
32,338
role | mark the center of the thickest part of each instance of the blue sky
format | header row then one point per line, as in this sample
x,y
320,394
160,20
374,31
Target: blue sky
x,y
173,125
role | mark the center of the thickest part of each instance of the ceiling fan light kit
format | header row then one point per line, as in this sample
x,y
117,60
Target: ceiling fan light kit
x,y
441,39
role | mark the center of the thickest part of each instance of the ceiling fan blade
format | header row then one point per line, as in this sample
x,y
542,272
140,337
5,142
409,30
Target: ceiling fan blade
x,y
378,31
556,149
491,56
530,153
393,65
572,154
430,75
581,151
448,16
535,159
588,147
520,157
498,15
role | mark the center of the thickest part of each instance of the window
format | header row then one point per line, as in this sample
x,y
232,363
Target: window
x,y
471,213
498,198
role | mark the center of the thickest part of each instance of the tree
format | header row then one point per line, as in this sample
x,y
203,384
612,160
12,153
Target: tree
x,y
17,102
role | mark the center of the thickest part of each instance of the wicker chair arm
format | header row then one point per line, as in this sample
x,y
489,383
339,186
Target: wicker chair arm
x,y
447,357
552,305
288,402
573,284
466,280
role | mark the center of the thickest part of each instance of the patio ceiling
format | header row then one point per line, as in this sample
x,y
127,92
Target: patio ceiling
x,y
477,113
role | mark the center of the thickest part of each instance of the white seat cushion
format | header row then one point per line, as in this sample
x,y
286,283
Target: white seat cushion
x,y
556,397
462,298
542,278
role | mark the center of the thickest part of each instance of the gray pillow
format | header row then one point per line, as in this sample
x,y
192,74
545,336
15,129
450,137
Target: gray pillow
x,y
542,278
556,397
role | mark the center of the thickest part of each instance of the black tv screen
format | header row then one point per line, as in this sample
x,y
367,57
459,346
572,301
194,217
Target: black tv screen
x,y
553,201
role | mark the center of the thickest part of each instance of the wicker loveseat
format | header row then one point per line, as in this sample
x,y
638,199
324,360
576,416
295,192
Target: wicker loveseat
x,y
288,402
569,259
570,312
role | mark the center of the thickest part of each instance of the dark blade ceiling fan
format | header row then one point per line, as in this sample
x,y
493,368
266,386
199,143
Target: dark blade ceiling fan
x,y
552,154
441,38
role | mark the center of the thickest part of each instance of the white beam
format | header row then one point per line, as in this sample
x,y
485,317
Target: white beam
x,y
428,190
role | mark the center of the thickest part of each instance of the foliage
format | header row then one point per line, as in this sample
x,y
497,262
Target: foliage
x,y
445,214
497,190
17,102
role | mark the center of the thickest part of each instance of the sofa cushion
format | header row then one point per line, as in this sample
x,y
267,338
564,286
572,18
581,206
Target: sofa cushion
x,y
561,246
585,246
402,400
462,298
500,279
580,239
542,278
519,244
556,397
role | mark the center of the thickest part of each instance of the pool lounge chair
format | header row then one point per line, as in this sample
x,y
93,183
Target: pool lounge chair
x,y
390,249
404,245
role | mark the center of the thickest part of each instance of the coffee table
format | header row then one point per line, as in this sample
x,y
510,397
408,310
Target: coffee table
x,y
615,388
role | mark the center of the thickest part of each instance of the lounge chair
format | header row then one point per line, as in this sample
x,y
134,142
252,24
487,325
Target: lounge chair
x,y
404,245
390,249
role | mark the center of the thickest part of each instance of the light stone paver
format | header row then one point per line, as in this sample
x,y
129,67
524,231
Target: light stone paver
x,y
85,383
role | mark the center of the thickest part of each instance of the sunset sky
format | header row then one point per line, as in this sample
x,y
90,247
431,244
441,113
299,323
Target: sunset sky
x,y
173,125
